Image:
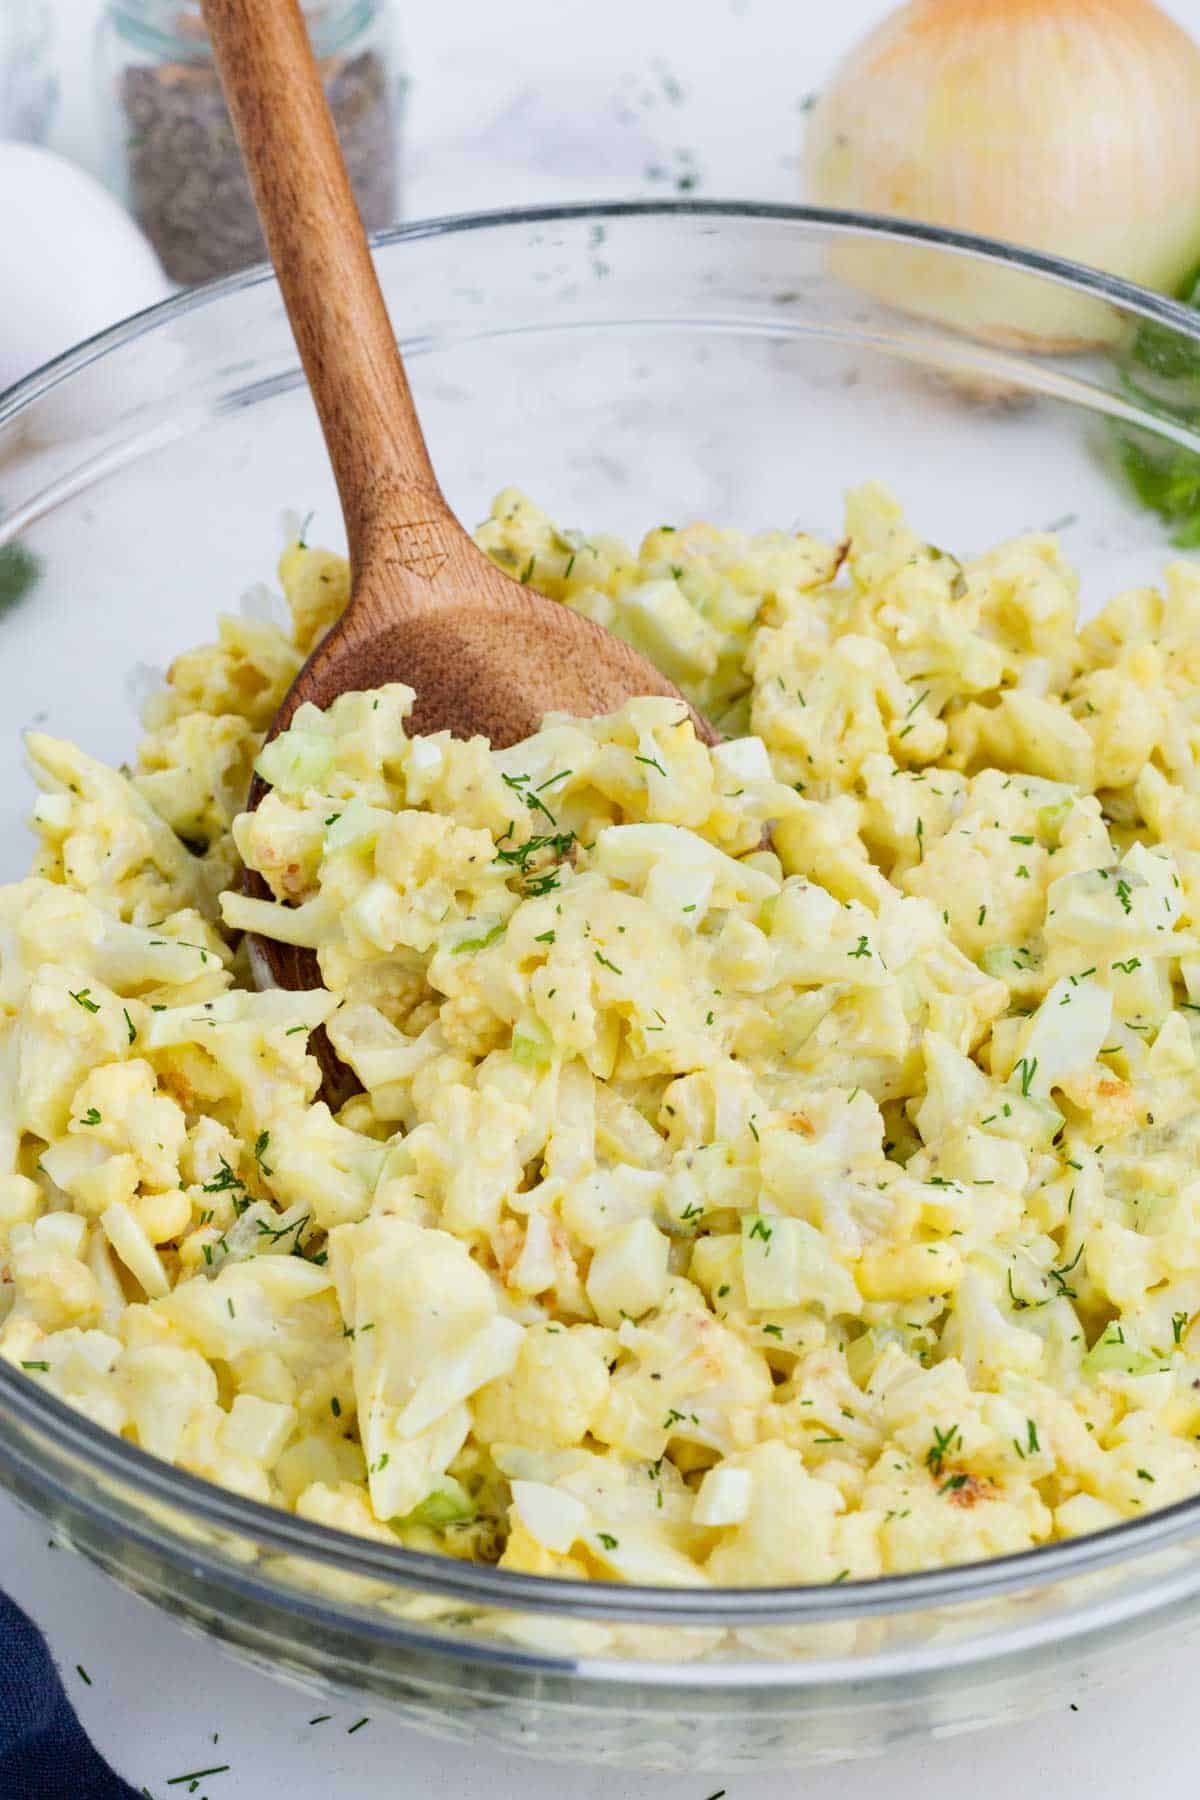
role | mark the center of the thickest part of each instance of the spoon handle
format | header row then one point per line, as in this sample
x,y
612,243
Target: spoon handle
x,y
319,248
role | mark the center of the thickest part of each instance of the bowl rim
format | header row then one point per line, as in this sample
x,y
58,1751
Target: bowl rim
x,y
273,1528
1114,289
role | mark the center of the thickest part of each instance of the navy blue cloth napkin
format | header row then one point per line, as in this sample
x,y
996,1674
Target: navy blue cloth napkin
x,y
44,1753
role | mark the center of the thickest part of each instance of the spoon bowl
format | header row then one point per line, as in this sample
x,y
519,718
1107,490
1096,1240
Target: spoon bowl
x,y
484,654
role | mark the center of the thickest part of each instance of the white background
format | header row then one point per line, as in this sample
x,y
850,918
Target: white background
x,y
525,101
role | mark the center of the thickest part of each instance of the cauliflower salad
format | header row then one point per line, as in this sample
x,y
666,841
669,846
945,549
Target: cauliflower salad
x,y
767,1164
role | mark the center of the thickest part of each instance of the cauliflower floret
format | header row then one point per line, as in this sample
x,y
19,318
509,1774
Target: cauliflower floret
x,y
552,1395
196,771
427,1335
246,672
100,836
790,1530
316,584
319,1164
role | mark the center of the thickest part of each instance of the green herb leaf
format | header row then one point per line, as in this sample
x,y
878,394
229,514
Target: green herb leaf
x,y
20,572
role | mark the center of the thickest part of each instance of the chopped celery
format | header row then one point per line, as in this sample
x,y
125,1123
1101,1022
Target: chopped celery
x,y
296,760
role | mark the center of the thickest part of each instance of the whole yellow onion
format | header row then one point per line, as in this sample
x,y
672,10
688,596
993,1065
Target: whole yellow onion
x,y
1070,126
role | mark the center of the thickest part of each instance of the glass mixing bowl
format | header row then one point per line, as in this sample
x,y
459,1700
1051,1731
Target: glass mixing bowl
x,y
624,365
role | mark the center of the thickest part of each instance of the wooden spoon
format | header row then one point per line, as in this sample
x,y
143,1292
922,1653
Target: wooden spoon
x,y
484,654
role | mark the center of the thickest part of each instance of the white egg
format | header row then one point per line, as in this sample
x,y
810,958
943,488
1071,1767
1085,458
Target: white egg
x,y
74,262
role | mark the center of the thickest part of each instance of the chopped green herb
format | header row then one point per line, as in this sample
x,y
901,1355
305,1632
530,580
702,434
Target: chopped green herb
x,y
297,1225
1059,1276
520,785
223,1181
558,844
20,571
943,1444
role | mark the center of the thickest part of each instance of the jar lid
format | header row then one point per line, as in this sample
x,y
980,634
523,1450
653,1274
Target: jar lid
x,y
175,28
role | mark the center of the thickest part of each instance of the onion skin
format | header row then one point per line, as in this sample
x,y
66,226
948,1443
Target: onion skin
x,y
1070,126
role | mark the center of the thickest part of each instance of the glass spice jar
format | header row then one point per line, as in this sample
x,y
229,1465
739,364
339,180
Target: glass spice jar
x,y
28,89
172,154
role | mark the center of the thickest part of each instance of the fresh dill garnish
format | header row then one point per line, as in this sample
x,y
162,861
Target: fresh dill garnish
x,y
557,846
269,1231
520,785
652,762
941,1447
224,1181
20,572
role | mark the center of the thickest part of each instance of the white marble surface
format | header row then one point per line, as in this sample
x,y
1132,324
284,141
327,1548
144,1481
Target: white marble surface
x,y
530,101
